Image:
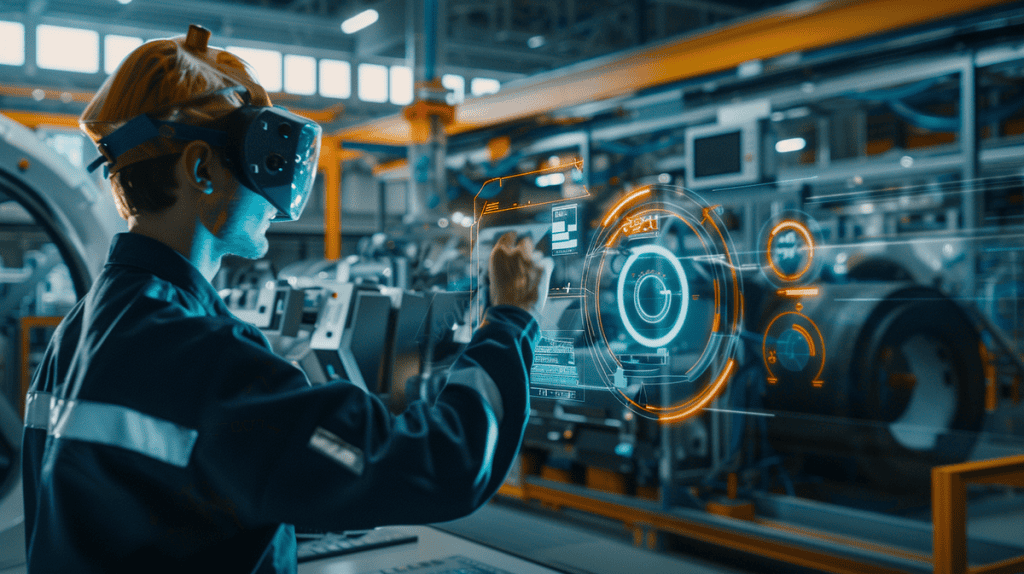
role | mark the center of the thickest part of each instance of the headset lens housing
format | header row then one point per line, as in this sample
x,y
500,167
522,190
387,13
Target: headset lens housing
x,y
279,152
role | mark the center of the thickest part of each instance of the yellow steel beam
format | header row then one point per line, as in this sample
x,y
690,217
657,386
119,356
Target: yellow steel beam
x,y
802,27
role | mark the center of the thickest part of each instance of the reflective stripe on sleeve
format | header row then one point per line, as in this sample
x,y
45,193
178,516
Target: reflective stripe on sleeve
x,y
37,410
112,425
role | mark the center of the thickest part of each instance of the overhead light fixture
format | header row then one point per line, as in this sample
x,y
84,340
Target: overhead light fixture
x,y
535,42
790,145
359,21
124,2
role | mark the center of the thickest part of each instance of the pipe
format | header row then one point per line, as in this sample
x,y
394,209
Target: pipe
x,y
430,40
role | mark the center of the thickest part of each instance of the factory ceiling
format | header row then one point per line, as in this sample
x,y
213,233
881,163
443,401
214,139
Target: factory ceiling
x,y
500,39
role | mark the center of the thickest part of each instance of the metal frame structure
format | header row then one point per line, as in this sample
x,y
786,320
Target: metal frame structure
x,y
949,511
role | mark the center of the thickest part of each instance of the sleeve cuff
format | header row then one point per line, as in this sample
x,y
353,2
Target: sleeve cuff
x,y
516,317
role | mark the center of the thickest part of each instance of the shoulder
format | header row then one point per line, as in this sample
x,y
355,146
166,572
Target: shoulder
x,y
145,307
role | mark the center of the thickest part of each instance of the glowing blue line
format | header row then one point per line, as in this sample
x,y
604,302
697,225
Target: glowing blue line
x,y
739,412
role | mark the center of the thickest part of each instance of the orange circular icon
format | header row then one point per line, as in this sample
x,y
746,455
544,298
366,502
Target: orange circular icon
x,y
805,233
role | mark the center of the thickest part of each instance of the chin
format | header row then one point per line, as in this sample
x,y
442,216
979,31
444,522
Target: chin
x,y
253,246
258,248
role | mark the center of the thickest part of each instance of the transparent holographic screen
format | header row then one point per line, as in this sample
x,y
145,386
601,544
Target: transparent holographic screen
x,y
647,299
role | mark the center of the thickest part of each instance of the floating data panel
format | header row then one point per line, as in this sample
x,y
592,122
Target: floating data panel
x,y
663,304
551,218
646,305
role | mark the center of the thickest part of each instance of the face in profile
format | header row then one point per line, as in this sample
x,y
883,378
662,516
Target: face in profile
x,y
237,216
248,216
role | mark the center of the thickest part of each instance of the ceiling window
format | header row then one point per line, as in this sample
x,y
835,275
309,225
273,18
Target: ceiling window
x,y
457,84
300,75
335,79
67,49
267,64
484,86
116,48
401,85
12,43
373,83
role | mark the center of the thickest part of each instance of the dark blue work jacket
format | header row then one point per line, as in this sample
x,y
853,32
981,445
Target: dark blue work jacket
x,y
164,435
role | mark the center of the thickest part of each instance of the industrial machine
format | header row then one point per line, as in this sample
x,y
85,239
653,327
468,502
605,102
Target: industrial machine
x,y
56,224
786,292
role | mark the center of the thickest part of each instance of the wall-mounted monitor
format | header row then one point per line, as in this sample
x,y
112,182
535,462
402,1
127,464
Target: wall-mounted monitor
x,y
723,156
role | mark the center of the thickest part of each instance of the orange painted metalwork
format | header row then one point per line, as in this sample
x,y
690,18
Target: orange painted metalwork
x,y
34,92
33,120
988,368
949,511
27,324
738,509
639,519
390,166
324,116
845,540
799,28
419,114
330,168
499,148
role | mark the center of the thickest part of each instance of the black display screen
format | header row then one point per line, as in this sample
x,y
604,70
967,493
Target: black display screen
x,y
717,155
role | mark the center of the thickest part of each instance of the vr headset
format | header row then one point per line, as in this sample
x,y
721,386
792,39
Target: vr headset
x,y
269,149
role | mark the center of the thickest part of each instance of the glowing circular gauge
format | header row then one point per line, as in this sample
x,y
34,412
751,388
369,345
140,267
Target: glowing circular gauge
x,y
654,289
662,305
788,245
793,348
790,234
651,288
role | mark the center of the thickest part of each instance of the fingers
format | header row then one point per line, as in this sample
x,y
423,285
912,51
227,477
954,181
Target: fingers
x,y
525,247
517,271
506,241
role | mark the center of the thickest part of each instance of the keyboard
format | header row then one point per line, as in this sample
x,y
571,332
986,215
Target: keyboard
x,y
449,565
333,544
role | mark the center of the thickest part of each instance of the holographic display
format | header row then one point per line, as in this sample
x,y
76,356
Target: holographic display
x,y
551,218
653,295
649,311
790,258
663,302
793,347
565,233
788,249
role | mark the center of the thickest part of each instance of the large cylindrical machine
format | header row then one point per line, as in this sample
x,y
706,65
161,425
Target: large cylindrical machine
x,y
56,224
901,388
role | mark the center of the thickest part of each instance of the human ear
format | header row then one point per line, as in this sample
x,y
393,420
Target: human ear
x,y
195,159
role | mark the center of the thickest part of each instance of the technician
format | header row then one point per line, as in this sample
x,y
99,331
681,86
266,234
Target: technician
x,y
162,433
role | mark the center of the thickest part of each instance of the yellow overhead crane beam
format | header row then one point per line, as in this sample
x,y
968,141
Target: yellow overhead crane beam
x,y
794,28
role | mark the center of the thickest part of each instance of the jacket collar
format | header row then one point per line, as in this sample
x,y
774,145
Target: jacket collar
x,y
159,259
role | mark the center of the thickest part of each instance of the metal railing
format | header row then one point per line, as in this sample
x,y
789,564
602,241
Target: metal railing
x,y
949,512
